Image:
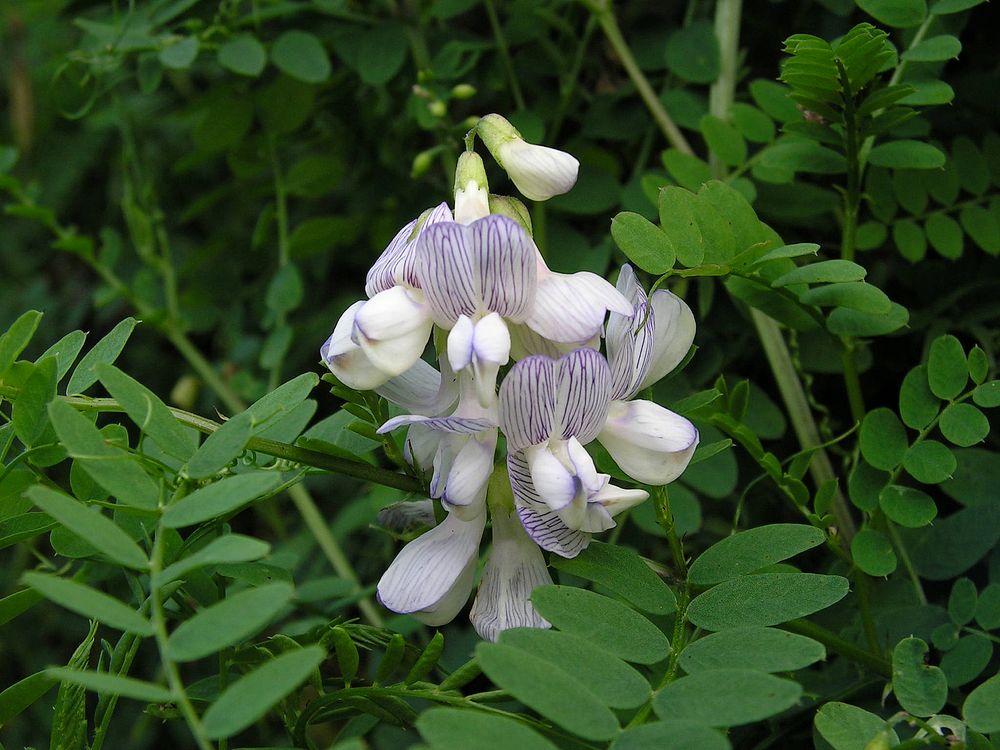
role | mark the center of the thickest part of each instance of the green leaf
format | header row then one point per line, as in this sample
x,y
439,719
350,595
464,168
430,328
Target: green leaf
x,y
973,169
906,154
760,649
381,54
676,734
18,603
611,680
751,550
753,124
787,251
17,337
89,602
920,688
678,221
300,55
945,236
847,727
106,350
947,367
112,684
692,53
962,601
983,227
221,447
180,54
964,425
723,140
856,295
803,156
987,395
988,608
69,715
824,271
250,697
623,572
285,291
643,243
928,93
148,412
901,14
689,171
604,622
231,548
976,477
243,55
883,439
219,498
88,524
982,708
966,660
979,365
944,7
29,414
917,405
228,622
553,693
765,599
910,240
449,728
872,551
23,526
20,695
929,462
65,350
934,49
114,469
907,506
726,697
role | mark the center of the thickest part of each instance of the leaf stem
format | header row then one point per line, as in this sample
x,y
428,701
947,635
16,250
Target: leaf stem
x,y
839,645
508,63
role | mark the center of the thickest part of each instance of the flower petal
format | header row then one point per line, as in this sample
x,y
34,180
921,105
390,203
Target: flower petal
x,y
617,499
551,534
392,329
538,172
556,486
445,269
421,389
346,359
513,570
505,261
527,402
491,340
570,308
396,264
583,390
432,576
673,334
470,472
586,517
651,444
453,425
629,350
460,343
408,515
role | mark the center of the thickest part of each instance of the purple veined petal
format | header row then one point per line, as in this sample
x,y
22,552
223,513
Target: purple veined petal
x,y
408,515
524,342
514,569
570,308
672,335
553,483
651,444
527,402
432,576
421,389
421,446
453,425
346,359
470,474
397,263
519,473
445,268
505,262
629,350
549,532
583,391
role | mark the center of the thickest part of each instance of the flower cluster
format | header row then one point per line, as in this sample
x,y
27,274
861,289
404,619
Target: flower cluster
x,y
475,276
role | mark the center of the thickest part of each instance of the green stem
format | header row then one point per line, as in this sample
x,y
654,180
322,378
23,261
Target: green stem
x,y
515,85
840,646
281,214
665,518
606,17
904,556
720,96
864,588
169,667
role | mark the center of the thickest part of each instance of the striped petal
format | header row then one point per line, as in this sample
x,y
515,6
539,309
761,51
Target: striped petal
x,y
549,532
408,516
397,264
421,389
514,569
431,577
527,402
673,334
487,266
465,488
629,346
583,390
452,425
570,308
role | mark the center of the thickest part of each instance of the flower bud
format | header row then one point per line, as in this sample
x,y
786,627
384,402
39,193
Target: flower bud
x,y
438,108
512,208
463,91
538,172
471,189
423,161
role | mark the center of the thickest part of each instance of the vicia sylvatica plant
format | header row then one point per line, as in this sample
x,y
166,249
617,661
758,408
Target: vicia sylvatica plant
x,y
653,412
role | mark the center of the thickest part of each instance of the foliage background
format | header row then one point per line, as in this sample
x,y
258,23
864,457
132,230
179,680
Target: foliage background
x,y
234,203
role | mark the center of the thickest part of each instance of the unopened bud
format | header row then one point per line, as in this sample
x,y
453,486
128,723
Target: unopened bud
x,y
423,161
185,392
539,172
471,188
438,108
463,91
506,205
